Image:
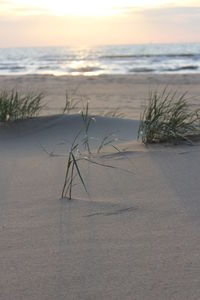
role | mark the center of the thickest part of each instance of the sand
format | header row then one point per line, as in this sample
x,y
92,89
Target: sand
x,y
105,92
134,236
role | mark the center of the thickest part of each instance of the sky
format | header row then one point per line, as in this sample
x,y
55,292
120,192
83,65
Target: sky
x,y
27,23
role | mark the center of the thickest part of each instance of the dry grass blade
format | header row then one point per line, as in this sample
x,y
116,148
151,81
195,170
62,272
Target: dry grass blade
x,y
72,166
114,113
86,125
78,171
65,185
71,101
107,140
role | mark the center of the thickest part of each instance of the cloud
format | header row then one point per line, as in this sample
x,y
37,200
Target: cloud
x,y
175,18
11,8
166,11
30,11
6,2
176,24
173,11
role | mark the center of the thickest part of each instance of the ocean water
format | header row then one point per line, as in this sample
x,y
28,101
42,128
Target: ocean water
x,y
112,59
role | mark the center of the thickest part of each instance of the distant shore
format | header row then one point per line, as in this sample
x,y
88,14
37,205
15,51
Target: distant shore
x,y
105,92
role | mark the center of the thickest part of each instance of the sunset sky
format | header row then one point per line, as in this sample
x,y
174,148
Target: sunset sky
x,y
95,22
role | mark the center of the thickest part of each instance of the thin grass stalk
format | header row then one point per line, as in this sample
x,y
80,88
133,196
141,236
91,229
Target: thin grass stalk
x,y
71,181
66,176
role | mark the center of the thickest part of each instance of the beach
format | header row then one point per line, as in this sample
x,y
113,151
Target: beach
x,y
135,233
106,92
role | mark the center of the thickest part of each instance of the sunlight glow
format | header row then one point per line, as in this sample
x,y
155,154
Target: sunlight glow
x,y
97,22
96,7
81,8
84,7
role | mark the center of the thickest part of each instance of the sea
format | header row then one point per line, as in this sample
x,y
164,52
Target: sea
x,y
108,59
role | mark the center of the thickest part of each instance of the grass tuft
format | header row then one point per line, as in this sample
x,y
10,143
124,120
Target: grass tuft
x,y
74,157
168,118
14,106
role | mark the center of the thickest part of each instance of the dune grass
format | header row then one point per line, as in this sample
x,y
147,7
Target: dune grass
x,y
71,101
72,171
115,113
74,156
82,140
87,119
168,117
14,106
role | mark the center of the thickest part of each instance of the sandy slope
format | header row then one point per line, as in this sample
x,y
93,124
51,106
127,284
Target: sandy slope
x,y
135,236
56,133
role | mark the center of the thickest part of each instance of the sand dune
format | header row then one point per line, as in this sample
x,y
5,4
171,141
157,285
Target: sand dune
x,y
135,235
58,132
